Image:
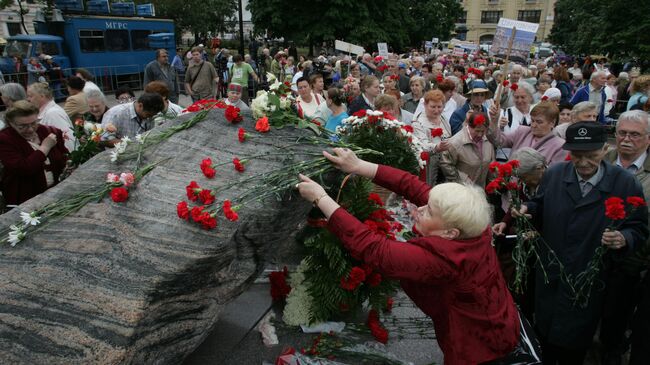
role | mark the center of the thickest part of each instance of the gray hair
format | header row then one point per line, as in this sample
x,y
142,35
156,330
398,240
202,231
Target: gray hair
x,y
527,88
597,73
457,82
95,94
13,91
529,160
41,88
583,107
636,116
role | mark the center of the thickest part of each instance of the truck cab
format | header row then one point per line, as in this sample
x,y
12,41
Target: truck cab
x,y
26,46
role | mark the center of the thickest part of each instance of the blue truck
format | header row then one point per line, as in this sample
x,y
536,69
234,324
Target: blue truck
x,y
112,47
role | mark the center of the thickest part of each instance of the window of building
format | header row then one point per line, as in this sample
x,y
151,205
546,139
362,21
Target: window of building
x,y
531,16
117,40
491,17
140,39
14,28
49,48
91,40
463,18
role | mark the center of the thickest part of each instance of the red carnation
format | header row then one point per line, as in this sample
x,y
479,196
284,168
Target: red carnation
x,y
614,208
513,163
506,83
568,157
424,156
544,98
262,125
119,194
436,132
229,212
494,166
239,165
636,201
232,114
182,210
241,134
374,279
192,191
505,170
206,196
378,332
512,186
195,213
479,120
360,113
439,78
354,278
279,287
207,220
373,197
206,168
514,87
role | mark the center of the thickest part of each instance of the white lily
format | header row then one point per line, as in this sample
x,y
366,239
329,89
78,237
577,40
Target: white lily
x,y
16,235
114,155
30,219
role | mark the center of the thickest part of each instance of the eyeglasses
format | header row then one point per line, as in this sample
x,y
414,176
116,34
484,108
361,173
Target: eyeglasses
x,y
632,135
23,127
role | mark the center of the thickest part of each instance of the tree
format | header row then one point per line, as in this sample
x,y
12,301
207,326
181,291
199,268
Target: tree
x,y
358,22
22,11
602,26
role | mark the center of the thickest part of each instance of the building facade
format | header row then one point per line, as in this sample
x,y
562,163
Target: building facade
x,y
10,18
480,17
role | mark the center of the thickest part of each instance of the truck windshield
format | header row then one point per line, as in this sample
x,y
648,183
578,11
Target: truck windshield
x,y
16,48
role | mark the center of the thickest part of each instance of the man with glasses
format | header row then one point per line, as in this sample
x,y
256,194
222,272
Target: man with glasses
x,y
134,118
477,94
632,143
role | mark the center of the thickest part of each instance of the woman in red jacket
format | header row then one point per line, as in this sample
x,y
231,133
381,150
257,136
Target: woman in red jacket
x,y
33,155
450,271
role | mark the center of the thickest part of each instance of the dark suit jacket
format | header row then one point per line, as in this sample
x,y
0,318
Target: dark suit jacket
x,y
359,103
24,167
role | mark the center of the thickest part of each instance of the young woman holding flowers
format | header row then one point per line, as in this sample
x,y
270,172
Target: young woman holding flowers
x,y
450,270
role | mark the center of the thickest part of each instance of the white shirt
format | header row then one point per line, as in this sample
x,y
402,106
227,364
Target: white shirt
x,y
91,86
450,108
634,166
311,110
53,115
517,119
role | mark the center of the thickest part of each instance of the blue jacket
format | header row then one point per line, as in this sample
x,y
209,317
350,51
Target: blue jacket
x,y
458,118
572,225
582,94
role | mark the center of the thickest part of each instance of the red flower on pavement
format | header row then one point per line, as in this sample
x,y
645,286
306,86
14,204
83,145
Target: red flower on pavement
x,y
196,212
241,135
207,220
614,208
206,168
262,125
119,194
232,114
514,87
378,332
229,211
424,156
374,197
436,132
279,287
636,201
356,276
206,196
182,210
239,165
192,191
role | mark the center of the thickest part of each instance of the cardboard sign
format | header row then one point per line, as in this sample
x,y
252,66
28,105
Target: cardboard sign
x,y
383,49
349,47
521,44
458,52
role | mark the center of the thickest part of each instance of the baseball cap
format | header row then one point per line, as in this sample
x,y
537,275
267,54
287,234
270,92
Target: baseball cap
x,y
585,136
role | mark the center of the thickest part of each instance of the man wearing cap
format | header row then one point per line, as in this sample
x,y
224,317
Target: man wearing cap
x,y
161,70
622,295
477,94
569,210
201,78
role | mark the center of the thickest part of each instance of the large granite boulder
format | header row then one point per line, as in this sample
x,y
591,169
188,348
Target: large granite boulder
x,y
131,282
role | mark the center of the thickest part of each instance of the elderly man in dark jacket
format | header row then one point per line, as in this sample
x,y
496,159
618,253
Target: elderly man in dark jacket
x,y
161,70
570,209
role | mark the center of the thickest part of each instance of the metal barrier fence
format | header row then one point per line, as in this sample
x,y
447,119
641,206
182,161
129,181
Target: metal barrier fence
x,y
108,78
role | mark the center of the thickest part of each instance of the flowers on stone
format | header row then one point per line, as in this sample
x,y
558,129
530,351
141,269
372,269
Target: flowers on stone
x,y
232,114
193,190
262,125
15,235
182,210
378,332
127,179
30,219
119,148
206,196
229,211
241,135
119,194
112,178
207,169
239,165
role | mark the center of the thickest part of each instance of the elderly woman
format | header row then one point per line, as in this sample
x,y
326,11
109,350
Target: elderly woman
x,y
412,99
428,122
369,91
450,270
469,155
96,106
33,155
11,93
389,104
539,135
518,114
585,111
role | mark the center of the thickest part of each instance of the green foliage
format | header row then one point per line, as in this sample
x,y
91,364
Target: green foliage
x,y
399,23
602,27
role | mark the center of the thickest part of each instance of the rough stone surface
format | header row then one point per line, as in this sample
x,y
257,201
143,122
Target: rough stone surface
x,y
131,282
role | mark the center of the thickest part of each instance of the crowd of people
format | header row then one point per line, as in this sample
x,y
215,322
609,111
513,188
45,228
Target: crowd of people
x,y
553,116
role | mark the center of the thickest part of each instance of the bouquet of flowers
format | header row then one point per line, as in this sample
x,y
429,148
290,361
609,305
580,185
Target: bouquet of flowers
x,y
88,137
